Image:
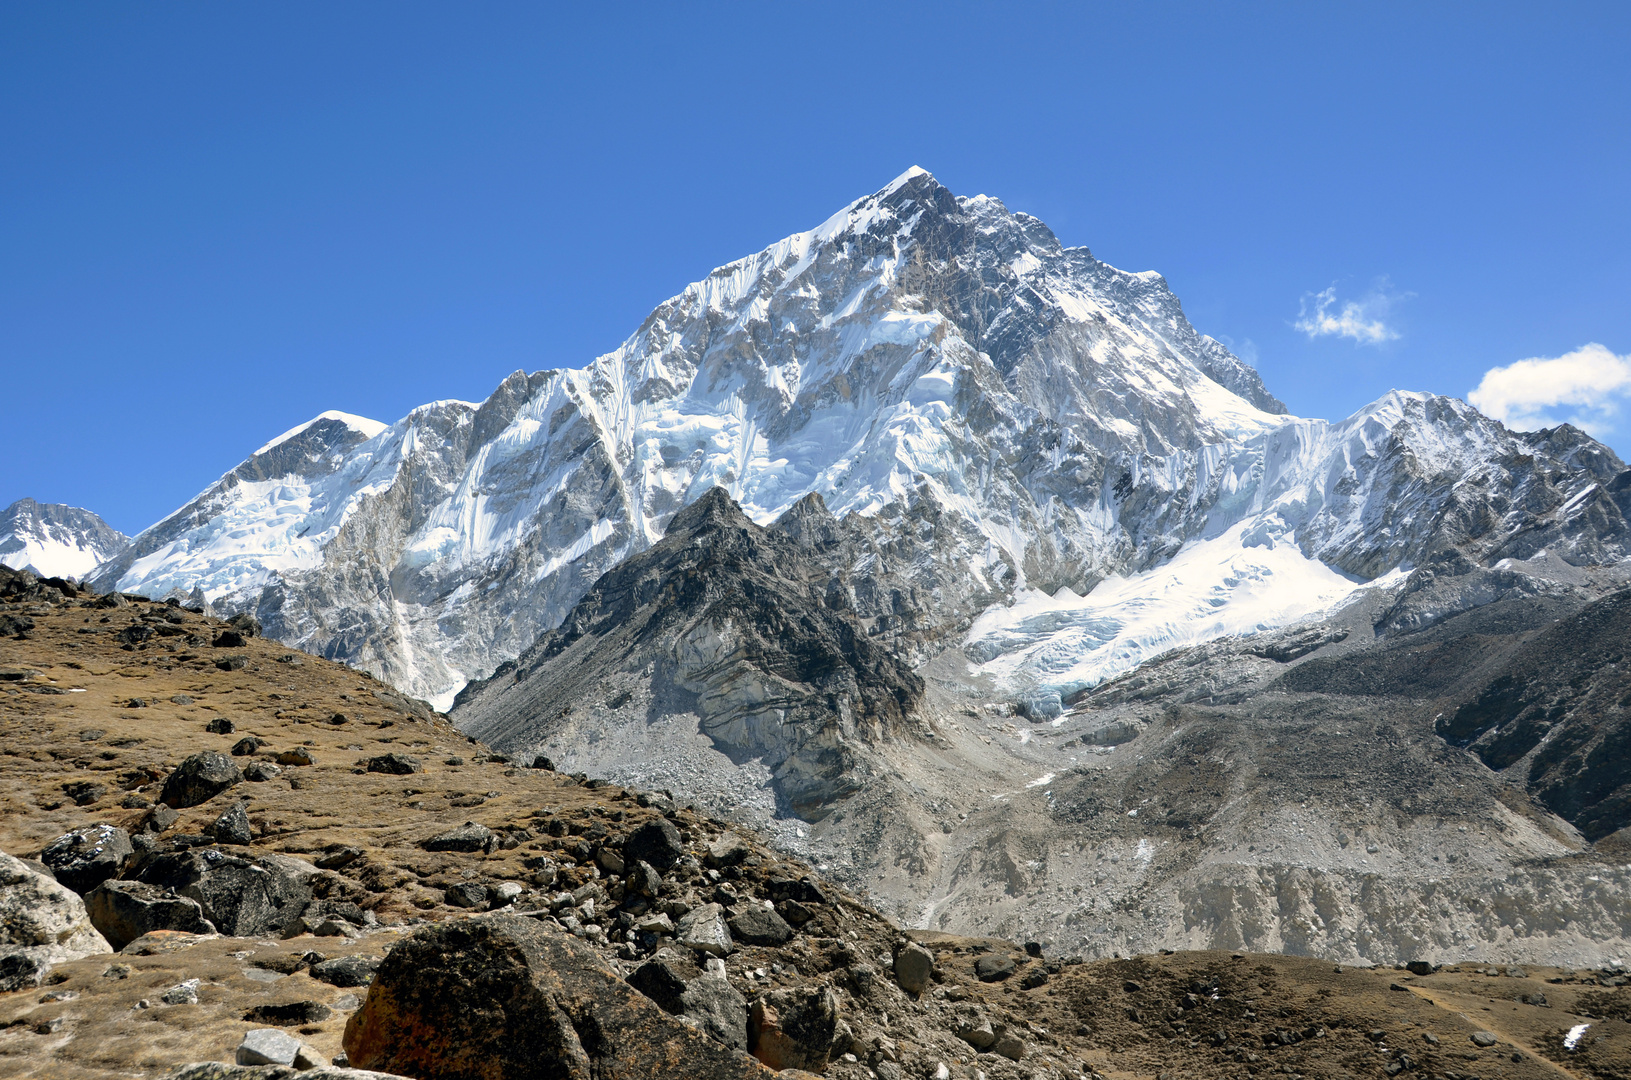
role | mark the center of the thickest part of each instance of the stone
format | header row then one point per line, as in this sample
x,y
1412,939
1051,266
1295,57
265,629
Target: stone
x,y
290,1014
267,1046
1484,1038
339,857
242,897
1034,979
160,819
609,860
993,967
644,880
795,913
229,639
914,966
235,662
728,850
705,930
468,837
755,924
259,772
656,842
86,857
125,910
83,792
395,764
199,779
246,746
673,981
808,890
526,1004
976,1030
298,756
185,993
504,893
1009,1045
466,894
346,970
220,726
1419,967
794,1029
232,827
217,1070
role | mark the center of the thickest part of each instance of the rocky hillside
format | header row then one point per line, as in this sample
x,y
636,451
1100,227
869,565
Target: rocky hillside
x,y
297,864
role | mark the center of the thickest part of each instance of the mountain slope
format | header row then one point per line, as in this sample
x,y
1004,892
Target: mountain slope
x,y
992,414
55,540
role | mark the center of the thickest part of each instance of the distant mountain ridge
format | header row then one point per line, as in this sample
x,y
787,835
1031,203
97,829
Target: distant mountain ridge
x,y
56,540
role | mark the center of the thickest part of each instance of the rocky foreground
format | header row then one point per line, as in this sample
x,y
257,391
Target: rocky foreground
x,y
223,851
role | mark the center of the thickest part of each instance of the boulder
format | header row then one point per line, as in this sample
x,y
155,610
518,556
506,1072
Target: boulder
x,y
728,850
240,896
346,970
794,1029
258,772
503,998
228,639
993,967
705,930
220,726
41,923
466,894
656,842
755,924
267,1046
298,756
246,746
706,999
395,764
86,857
232,827
289,1014
246,624
468,837
644,880
125,910
914,966
199,779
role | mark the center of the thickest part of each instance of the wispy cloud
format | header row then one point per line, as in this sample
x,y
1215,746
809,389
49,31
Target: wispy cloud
x,y
1364,320
1585,388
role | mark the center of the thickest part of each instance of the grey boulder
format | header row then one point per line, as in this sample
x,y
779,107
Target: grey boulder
x,y
199,779
125,910
41,923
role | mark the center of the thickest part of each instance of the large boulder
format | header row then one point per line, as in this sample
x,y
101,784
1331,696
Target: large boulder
x,y
86,857
794,1029
705,930
707,999
656,842
755,924
125,910
199,779
914,967
469,838
41,923
242,897
502,998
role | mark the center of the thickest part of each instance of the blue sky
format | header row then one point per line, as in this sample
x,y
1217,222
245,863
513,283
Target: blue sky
x,y
219,220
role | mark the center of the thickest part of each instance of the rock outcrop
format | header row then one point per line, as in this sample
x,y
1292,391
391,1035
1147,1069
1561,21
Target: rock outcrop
x,y
729,622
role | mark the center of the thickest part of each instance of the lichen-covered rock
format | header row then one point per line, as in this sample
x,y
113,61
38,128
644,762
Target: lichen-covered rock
x,y
41,923
241,897
501,998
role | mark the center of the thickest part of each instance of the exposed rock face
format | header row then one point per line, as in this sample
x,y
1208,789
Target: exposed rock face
x,y
41,923
735,625
501,997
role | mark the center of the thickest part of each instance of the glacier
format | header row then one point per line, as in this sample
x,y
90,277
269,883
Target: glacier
x,y
1016,434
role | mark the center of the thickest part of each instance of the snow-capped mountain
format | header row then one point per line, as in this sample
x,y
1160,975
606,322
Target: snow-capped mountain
x,y
995,417
55,540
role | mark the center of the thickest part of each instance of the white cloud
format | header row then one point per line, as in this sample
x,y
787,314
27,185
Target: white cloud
x,y
1584,388
1364,319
